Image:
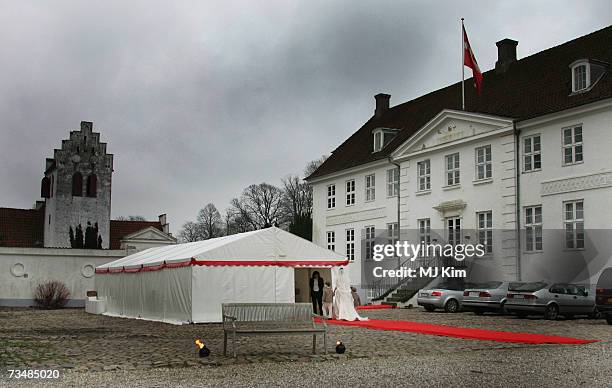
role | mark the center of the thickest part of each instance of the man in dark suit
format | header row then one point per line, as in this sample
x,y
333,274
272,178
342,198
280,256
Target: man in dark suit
x,y
316,292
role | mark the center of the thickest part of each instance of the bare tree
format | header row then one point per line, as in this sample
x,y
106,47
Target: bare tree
x,y
297,204
297,196
190,231
298,193
260,206
209,220
297,201
236,222
313,165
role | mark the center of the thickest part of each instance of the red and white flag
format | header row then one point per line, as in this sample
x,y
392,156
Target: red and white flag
x,y
470,61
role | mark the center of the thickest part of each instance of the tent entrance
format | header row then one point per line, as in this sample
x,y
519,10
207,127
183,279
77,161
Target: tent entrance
x,y
302,276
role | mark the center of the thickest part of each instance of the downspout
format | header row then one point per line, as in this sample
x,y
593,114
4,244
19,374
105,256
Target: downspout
x,y
399,170
517,195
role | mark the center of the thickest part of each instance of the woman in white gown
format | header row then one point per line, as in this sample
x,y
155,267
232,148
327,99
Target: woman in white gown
x,y
344,308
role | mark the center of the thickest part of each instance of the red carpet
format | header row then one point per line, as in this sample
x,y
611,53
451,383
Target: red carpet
x,y
375,307
461,332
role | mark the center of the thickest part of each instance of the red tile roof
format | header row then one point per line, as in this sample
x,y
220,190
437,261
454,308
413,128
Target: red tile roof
x,y
533,86
120,229
22,228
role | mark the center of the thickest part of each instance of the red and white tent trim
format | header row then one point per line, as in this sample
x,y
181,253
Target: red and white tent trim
x,y
265,247
188,282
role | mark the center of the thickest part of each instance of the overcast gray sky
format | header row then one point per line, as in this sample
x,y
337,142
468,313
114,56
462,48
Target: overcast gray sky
x,y
197,100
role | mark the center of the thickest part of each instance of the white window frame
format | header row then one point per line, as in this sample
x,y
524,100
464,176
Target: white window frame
x,y
350,244
484,223
533,228
573,145
532,154
424,175
574,220
370,237
424,232
392,233
378,140
392,182
331,196
453,230
371,293
349,187
484,162
370,187
452,175
587,77
331,240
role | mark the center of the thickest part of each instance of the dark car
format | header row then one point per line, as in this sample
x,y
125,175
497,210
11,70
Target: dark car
x,y
603,297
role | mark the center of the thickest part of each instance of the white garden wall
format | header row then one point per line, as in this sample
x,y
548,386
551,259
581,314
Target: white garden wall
x,y
22,269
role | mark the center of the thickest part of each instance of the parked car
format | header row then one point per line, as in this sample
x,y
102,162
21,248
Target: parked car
x,y
591,292
540,298
488,296
447,296
604,294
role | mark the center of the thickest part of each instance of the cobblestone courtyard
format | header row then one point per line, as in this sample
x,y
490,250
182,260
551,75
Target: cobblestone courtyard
x,y
82,344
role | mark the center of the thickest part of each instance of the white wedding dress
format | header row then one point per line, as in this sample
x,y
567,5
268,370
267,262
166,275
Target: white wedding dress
x,y
344,309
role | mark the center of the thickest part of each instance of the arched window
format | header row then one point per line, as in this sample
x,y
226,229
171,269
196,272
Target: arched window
x,y
92,185
585,74
52,185
45,187
580,77
77,185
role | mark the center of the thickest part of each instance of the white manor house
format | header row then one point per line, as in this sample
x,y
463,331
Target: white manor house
x,y
525,169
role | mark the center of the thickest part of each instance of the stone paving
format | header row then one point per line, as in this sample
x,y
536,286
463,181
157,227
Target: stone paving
x,y
73,339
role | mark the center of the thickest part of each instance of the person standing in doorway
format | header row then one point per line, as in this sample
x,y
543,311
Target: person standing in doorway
x,y
328,300
356,298
316,292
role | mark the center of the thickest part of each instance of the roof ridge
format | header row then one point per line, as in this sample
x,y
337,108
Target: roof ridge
x,y
535,85
601,30
20,209
492,71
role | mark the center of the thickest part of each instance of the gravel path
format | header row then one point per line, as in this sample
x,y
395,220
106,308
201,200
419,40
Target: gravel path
x,y
102,351
544,366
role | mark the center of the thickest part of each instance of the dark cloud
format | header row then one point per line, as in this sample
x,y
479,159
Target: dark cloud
x,y
198,100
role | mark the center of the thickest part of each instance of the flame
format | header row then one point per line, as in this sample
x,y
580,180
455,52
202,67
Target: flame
x,y
199,343
338,342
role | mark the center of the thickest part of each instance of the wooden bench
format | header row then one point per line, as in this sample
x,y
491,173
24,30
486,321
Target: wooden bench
x,y
249,319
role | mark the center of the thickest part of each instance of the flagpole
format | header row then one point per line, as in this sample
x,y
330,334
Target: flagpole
x,y
462,66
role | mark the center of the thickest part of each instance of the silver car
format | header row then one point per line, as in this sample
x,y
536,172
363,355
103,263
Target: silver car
x,y
488,296
447,296
540,298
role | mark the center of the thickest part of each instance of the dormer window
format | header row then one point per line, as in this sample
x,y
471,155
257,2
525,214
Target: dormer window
x,y
579,77
378,142
586,73
382,137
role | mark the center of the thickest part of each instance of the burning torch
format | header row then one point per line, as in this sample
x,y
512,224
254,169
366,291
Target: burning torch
x,y
204,351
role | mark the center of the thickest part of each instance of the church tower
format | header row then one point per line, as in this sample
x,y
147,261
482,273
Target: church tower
x,y
77,191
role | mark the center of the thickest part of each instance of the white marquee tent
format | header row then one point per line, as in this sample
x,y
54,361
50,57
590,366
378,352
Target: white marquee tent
x,y
188,282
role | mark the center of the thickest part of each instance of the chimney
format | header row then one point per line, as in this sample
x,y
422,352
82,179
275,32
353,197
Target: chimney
x,y
165,225
506,54
382,104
